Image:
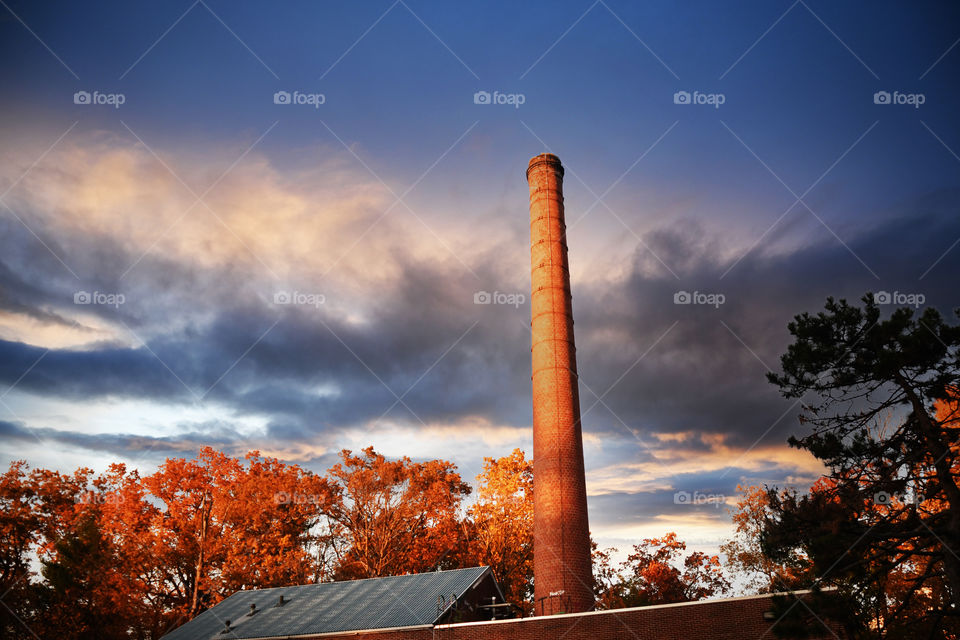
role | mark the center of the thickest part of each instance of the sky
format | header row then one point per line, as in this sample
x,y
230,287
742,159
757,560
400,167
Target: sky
x,y
265,225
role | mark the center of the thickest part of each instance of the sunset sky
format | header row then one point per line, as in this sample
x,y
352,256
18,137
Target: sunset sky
x,y
772,153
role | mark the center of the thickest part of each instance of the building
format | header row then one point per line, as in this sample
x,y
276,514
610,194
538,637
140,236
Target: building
x,y
446,605
409,603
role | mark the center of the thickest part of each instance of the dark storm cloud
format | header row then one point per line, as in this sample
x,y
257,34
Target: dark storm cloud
x,y
19,295
153,447
707,373
316,372
219,337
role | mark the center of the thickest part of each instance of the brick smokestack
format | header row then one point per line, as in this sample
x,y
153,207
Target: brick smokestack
x,y
561,564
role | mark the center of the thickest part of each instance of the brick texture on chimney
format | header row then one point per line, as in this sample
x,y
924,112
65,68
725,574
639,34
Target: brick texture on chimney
x,y
562,571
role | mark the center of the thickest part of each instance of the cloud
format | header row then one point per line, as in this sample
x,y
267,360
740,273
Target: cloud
x,y
693,368
119,443
151,450
398,350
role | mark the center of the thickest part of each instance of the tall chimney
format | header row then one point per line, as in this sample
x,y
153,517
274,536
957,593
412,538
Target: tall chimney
x,y
561,553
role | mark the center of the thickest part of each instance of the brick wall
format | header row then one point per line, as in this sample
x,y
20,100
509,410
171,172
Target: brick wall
x,y
729,619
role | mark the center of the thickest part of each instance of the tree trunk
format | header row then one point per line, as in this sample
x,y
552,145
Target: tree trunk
x,y
200,556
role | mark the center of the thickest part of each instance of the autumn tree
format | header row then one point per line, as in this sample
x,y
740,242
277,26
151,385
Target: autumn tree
x,y
126,516
122,556
500,526
607,581
882,532
19,533
225,525
657,572
390,517
744,554
57,519
85,595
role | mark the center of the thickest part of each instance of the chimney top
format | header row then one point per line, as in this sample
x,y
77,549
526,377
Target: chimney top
x,y
545,158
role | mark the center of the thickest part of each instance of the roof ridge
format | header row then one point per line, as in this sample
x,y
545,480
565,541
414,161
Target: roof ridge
x,y
399,575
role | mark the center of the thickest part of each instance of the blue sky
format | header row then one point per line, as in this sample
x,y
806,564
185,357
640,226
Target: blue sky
x,y
389,205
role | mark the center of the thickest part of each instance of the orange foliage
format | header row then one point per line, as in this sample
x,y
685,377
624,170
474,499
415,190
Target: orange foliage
x,y
744,555
392,517
129,557
658,573
501,526
125,556
225,526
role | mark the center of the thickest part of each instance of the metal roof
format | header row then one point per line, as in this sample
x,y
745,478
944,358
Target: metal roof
x,y
373,603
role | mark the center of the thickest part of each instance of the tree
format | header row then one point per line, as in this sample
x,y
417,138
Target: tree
x,y
58,519
607,581
389,517
225,526
128,557
275,531
19,532
658,573
744,554
500,526
85,596
882,418
126,516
